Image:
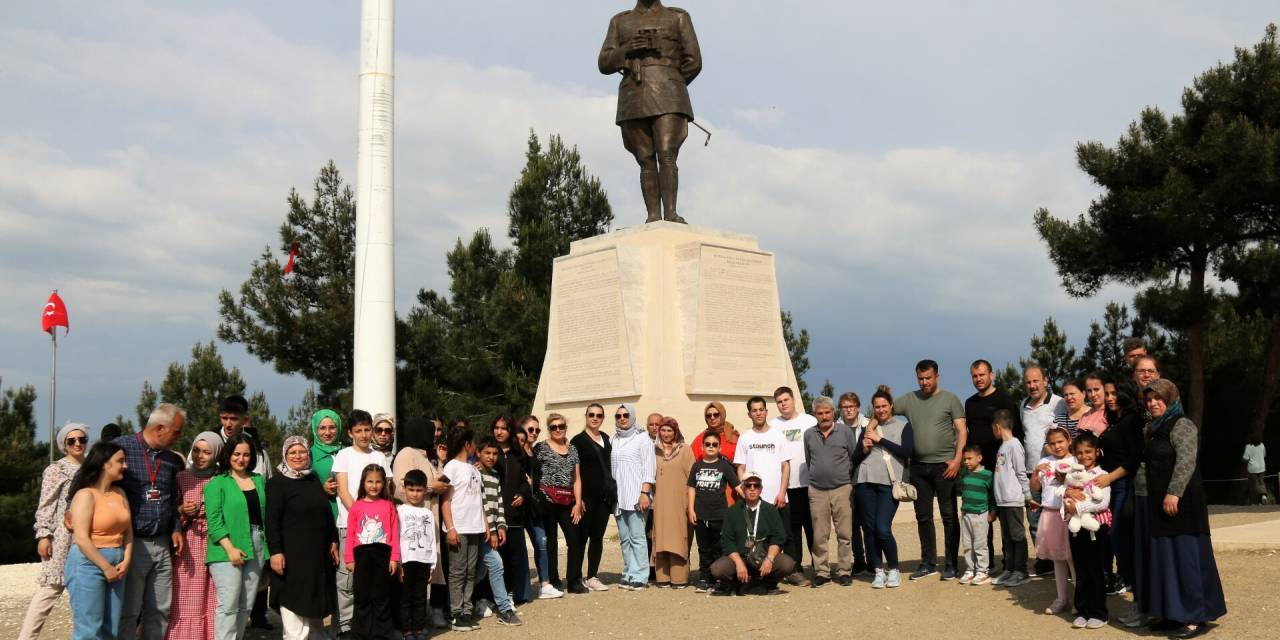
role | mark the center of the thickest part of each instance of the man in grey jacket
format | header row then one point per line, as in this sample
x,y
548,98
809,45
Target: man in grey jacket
x,y
829,449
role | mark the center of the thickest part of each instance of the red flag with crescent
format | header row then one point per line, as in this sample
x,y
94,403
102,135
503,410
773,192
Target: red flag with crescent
x,y
293,254
54,315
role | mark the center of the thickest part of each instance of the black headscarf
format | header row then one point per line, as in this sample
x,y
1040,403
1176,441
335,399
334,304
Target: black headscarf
x,y
419,433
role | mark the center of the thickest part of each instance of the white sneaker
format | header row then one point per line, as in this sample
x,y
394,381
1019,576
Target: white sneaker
x,y
894,580
549,592
880,580
1079,622
595,584
966,578
980,580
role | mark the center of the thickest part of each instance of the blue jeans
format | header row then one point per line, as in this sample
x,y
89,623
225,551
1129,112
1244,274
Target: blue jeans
x,y
95,603
878,509
237,587
538,534
635,546
492,560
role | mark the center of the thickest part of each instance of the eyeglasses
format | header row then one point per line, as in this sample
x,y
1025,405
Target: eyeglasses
x,y
595,415
622,416
1144,371
383,430
75,441
557,427
713,414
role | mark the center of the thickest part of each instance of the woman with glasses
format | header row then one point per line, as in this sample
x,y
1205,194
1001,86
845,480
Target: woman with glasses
x,y
53,539
557,486
599,493
384,434
718,425
633,462
532,429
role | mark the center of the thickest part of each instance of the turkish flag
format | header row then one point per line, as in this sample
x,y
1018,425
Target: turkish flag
x,y
54,315
293,253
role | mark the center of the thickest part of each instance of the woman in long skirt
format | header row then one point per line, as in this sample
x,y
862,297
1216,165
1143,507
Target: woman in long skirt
x,y
195,599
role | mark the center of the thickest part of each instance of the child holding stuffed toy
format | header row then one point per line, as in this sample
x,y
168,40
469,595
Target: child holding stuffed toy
x,y
1091,505
1051,536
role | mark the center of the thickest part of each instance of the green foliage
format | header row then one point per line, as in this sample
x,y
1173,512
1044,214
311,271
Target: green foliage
x,y
303,323
1010,379
1051,351
21,464
828,389
480,350
798,349
298,420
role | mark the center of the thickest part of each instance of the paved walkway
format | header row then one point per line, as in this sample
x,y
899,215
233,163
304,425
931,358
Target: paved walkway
x,y
1243,537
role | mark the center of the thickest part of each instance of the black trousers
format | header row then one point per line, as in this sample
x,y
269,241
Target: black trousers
x,y
929,482
591,533
413,596
799,524
707,533
1013,538
1087,554
562,515
371,586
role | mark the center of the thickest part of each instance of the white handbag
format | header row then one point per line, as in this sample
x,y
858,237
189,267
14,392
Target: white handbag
x,y
902,491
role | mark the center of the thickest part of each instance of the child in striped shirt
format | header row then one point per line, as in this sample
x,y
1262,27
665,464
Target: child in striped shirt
x,y
496,530
978,511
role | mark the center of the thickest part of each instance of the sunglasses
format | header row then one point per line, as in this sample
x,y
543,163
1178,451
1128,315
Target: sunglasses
x,y
75,441
622,415
713,414
383,430
710,445
557,427
595,415
751,485
533,430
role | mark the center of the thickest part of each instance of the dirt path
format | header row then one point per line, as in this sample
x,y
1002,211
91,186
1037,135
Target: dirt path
x,y
929,608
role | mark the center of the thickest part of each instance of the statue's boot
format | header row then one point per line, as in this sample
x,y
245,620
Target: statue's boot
x,y
649,189
669,179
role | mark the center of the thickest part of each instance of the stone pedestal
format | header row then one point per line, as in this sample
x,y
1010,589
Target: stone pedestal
x,y
666,316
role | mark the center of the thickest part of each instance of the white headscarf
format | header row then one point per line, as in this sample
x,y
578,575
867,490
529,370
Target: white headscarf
x,y
622,434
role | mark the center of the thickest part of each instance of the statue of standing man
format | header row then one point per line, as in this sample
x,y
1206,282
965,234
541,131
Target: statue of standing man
x,y
656,50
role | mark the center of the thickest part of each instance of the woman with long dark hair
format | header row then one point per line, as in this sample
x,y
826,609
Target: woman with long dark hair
x,y
54,541
1121,446
103,534
513,469
235,503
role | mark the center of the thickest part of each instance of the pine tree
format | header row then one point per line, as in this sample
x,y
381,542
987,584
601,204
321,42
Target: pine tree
x,y
1051,352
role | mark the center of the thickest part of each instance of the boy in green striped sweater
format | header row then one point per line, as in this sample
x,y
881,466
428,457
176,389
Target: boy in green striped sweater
x,y
978,510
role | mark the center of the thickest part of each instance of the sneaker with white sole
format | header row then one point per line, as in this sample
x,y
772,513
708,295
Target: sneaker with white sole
x,y
999,580
1095,623
595,584
1079,622
966,578
894,579
549,592
879,581
981,580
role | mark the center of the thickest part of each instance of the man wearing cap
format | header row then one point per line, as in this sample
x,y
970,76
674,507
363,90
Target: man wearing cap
x,y
753,535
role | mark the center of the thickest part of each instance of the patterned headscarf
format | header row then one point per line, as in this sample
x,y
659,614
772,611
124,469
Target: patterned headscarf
x,y
284,468
677,443
66,431
622,434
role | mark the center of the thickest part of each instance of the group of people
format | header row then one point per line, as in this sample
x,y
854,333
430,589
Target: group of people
x,y
1104,478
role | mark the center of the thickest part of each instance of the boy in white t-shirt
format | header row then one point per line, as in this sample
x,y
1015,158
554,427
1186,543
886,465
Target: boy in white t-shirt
x,y
464,524
417,554
763,450
347,468
792,421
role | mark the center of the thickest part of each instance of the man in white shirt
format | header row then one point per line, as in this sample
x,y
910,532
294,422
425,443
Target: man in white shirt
x,y
793,422
763,450
1038,412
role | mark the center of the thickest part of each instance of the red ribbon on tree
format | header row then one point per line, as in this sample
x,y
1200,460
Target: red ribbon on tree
x,y
54,315
293,253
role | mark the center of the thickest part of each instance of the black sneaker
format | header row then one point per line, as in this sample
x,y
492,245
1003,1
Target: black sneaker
x,y
578,588
949,573
1043,569
860,568
463,623
924,571
702,587
818,581
509,618
843,581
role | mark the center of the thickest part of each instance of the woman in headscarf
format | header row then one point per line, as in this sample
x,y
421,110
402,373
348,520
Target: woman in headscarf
x,y
417,451
718,423
195,598
326,442
671,506
54,539
303,539
633,470
1178,578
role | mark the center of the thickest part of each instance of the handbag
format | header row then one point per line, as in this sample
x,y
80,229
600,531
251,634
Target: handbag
x,y
562,496
902,491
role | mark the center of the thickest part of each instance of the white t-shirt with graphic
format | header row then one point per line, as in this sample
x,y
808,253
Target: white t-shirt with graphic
x,y
417,534
352,462
764,453
467,501
793,431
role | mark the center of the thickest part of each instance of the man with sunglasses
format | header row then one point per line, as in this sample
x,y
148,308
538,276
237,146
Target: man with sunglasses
x,y
753,535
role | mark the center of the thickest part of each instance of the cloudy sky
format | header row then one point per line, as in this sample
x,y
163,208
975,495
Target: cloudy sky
x,y
891,154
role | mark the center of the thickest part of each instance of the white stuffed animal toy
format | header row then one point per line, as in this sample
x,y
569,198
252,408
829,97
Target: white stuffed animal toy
x,y
1077,477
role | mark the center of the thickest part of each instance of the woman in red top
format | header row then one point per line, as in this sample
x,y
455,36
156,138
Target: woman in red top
x,y
718,423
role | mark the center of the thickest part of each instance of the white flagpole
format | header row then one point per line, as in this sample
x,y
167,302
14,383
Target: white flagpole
x,y
53,392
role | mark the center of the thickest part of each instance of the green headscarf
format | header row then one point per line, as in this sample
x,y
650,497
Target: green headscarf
x,y
322,454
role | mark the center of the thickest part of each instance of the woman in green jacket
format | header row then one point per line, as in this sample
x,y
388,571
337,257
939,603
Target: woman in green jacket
x,y
235,505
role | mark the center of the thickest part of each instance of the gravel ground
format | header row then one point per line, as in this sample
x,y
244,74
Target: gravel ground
x,y
923,609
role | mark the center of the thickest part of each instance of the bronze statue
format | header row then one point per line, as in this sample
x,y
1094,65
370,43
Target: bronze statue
x,y
656,50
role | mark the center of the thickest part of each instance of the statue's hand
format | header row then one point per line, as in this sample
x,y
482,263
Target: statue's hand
x,y
638,44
